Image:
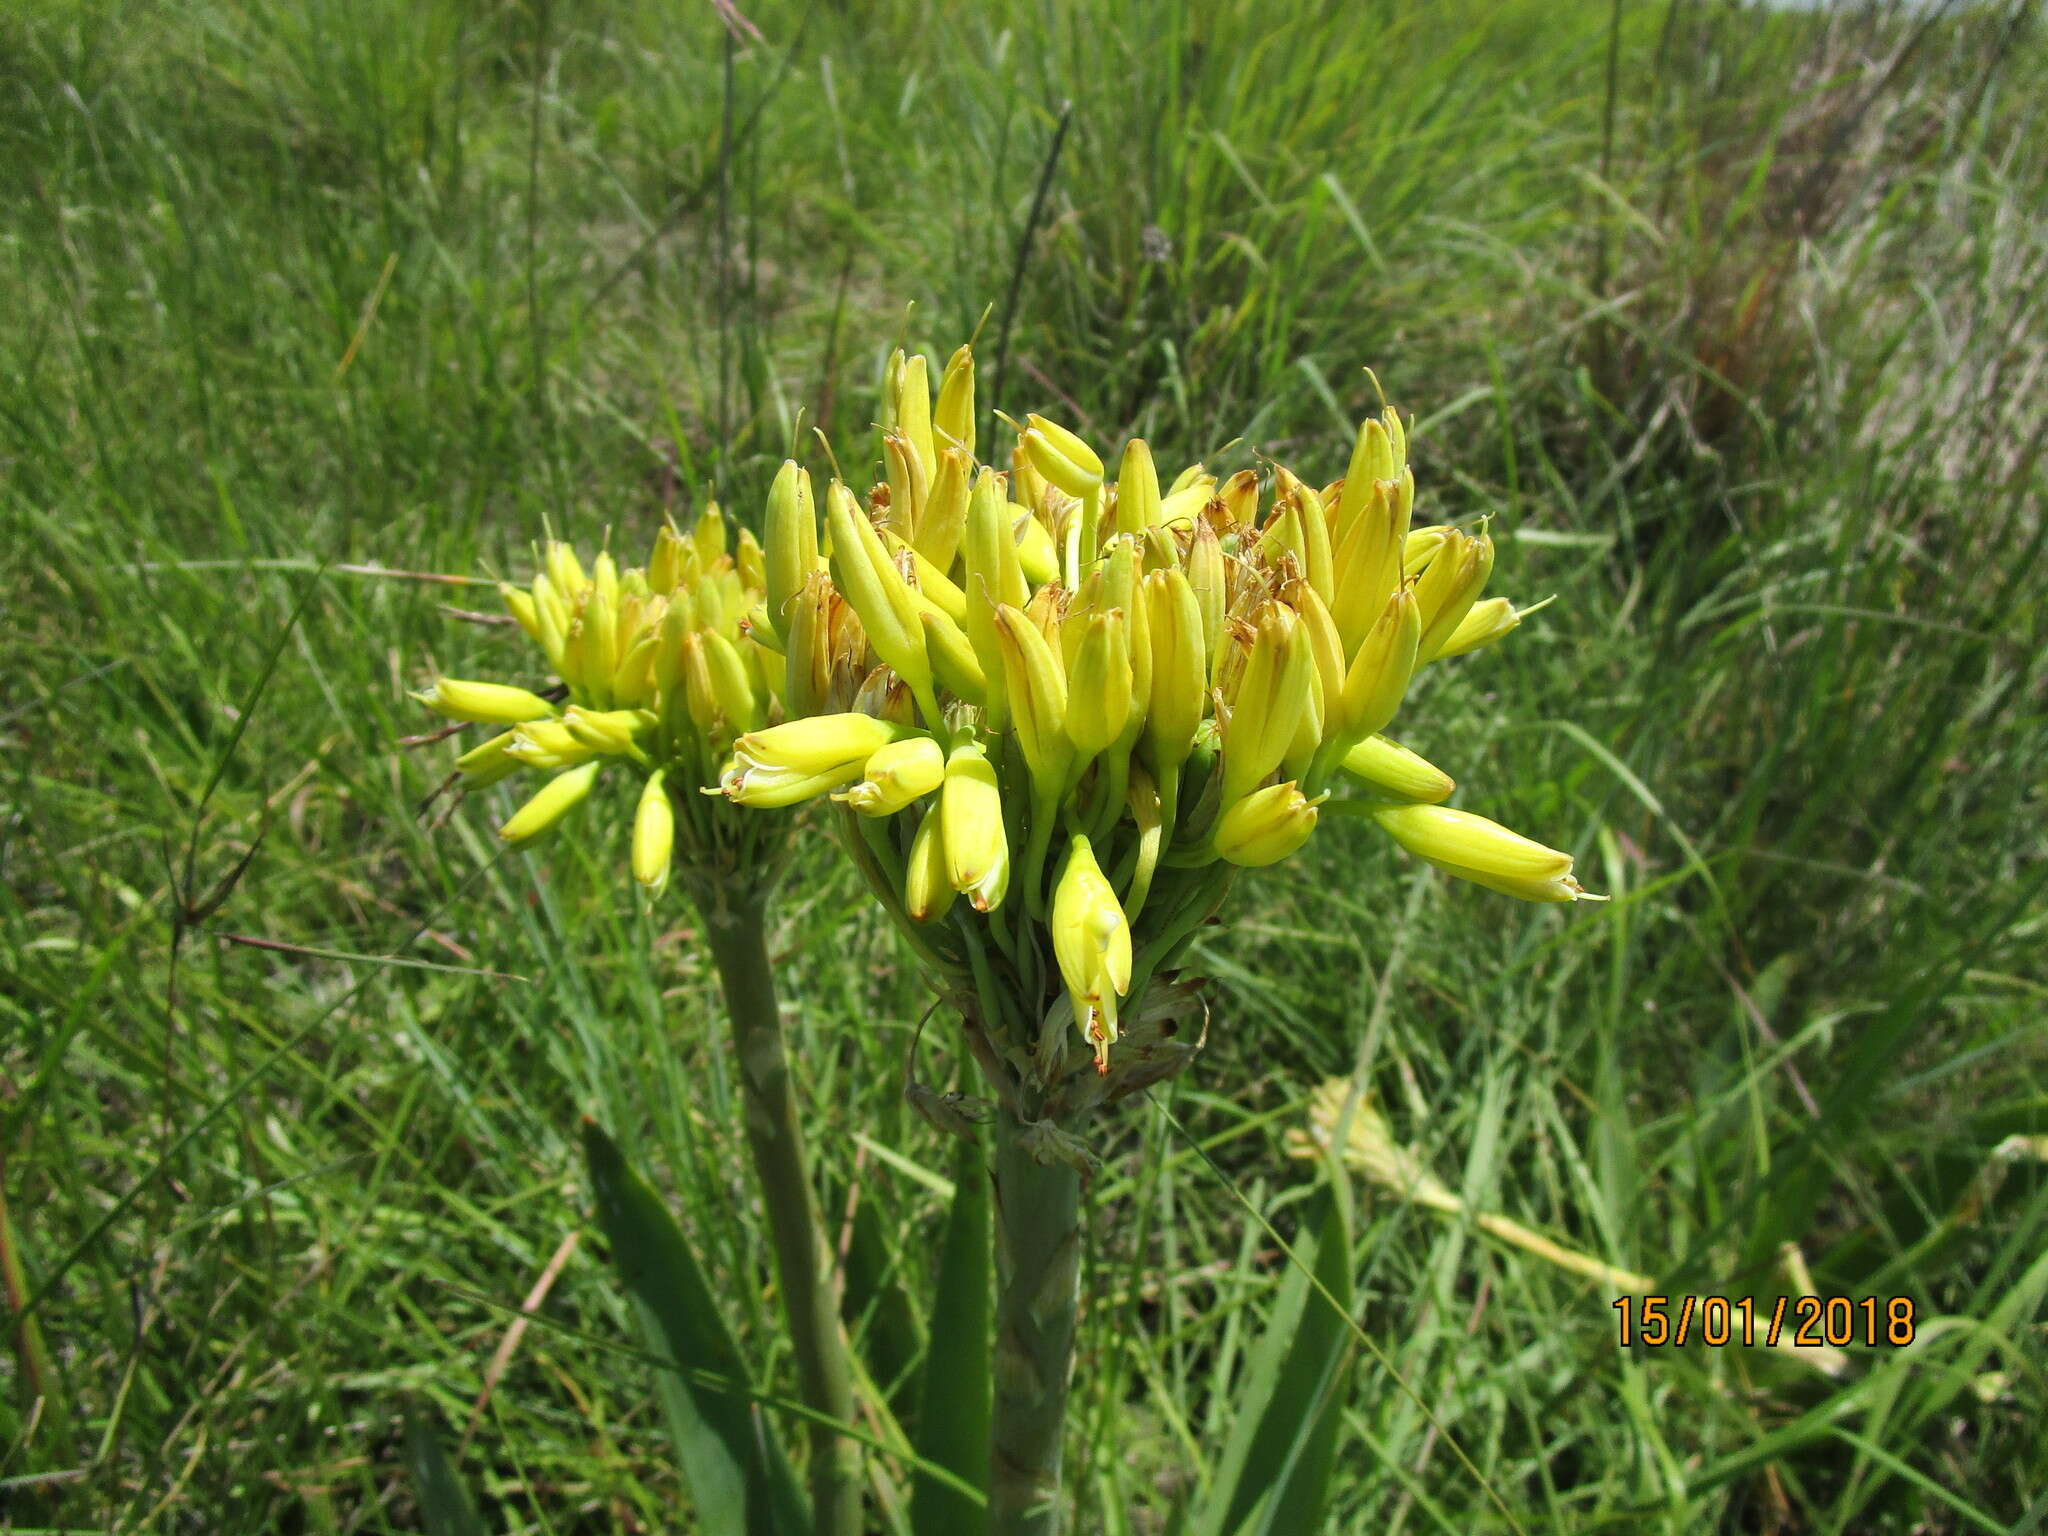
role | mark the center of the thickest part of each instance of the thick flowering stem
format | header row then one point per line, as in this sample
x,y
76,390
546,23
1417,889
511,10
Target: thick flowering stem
x,y
1038,1252
736,933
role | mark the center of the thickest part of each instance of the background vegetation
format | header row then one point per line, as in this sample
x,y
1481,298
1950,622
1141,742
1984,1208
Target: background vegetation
x,y
1731,317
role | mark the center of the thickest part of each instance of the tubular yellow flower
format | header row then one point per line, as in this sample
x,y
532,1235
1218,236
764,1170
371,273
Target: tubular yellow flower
x,y
612,732
945,513
1137,489
1390,770
654,835
1266,825
820,744
483,703
485,765
1180,669
1092,941
1488,623
914,413
1036,686
953,416
1484,852
1449,587
927,892
977,846
863,571
557,798
1267,703
548,744
1036,552
1099,683
792,551
1379,674
896,774
1062,457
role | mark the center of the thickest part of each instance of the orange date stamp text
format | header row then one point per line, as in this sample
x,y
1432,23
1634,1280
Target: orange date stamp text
x,y
1803,1322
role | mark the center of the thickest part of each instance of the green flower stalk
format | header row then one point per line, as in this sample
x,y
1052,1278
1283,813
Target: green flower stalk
x,y
661,669
1135,691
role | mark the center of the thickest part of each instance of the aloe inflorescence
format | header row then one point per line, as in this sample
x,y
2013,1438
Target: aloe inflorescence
x,y
1060,714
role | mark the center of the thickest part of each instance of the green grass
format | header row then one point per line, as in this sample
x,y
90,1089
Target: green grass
x,y
1744,354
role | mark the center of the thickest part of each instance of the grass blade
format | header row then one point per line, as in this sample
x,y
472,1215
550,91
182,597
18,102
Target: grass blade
x,y
445,1505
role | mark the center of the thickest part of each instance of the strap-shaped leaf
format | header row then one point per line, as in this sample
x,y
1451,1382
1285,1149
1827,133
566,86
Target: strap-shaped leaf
x,y
445,1507
879,1312
1275,1472
738,1477
953,1408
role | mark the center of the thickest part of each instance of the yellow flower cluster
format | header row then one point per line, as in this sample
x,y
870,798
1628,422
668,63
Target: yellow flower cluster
x,y
1103,696
659,670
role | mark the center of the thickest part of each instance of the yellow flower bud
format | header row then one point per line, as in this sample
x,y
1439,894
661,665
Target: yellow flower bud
x,y
1099,683
665,565
1267,702
1182,507
557,798
1266,825
708,535
654,835
548,744
1366,563
953,416
1037,553
864,573
1062,457
1422,546
1485,624
1092,941
807,647
1378,677
564,570
1390,769
1484,852
1211,586
519,603
897,774
1036,686
1448,589
992,576
773,788
792,528
953,660
484,765
483,703
927,892
977,846
1137,489
908,486
611,732
819,744
1180,669
937,538
914,414
740,706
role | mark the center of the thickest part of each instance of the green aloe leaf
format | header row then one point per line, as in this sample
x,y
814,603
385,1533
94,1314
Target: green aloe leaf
x,y
737,1475
445,1505
953,1408
879,1312
1276,1469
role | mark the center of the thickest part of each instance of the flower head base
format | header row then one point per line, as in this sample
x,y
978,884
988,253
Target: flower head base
x,y
1085,700
661,668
